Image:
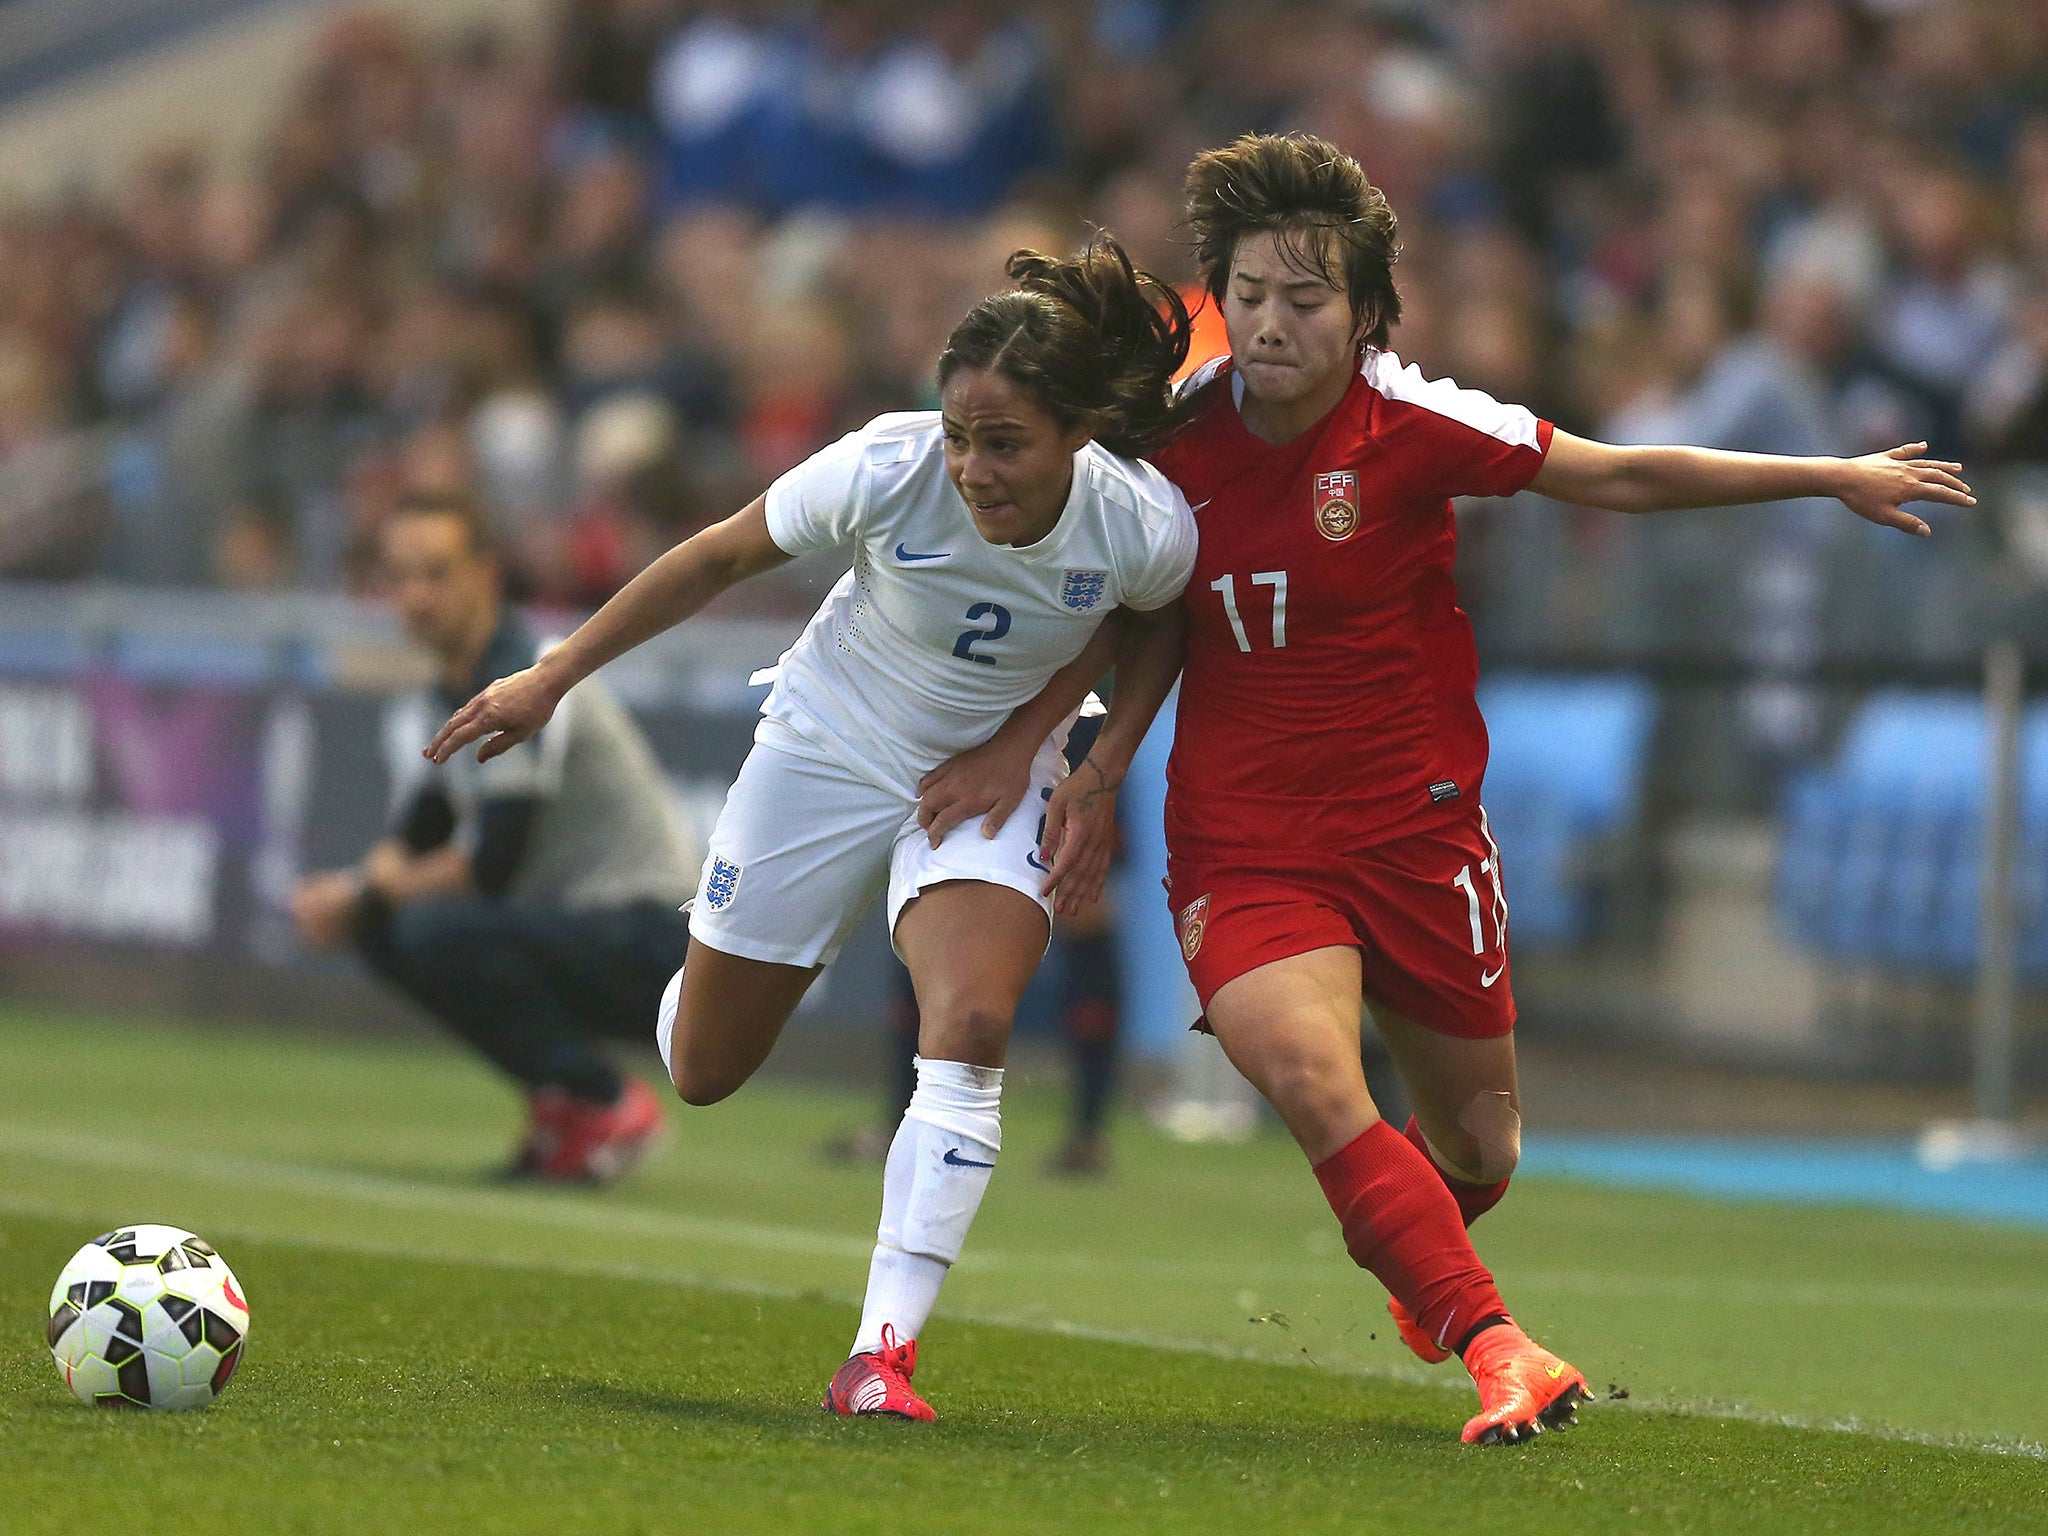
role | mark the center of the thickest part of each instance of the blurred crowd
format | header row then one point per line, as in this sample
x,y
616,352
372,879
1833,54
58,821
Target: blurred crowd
x,y
613,281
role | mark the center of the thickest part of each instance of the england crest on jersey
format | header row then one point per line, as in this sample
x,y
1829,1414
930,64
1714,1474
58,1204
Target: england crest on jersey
x,y
721,883
1082,590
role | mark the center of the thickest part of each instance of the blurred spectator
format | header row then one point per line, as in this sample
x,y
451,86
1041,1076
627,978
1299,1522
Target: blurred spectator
x,y
598,237
631,503
1947,305
605,53
2006,409
528,903
837,108
50,501
730,230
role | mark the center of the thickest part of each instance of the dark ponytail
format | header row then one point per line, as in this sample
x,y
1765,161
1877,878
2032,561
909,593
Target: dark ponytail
x,y
1090,337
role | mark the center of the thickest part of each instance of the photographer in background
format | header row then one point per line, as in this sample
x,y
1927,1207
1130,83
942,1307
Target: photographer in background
x,y
529,903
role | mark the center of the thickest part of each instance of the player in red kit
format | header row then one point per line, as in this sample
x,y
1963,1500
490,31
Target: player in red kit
x,y
1327,850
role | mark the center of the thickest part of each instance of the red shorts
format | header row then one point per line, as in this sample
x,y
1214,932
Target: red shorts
x,y
1426,911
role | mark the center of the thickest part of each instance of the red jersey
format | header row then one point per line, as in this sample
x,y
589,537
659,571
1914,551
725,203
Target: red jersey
x,y
1328,697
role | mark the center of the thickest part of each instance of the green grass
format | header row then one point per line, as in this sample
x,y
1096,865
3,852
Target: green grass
x,y
430,1354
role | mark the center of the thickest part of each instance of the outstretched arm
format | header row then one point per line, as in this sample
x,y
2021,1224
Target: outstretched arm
x,y
1876,487
660,597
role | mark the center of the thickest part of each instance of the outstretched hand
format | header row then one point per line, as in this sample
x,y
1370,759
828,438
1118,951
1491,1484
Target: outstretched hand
x,y
507,713
1877,486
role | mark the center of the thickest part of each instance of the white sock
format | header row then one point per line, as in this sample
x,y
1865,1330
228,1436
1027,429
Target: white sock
x,y
665,1022
939,1167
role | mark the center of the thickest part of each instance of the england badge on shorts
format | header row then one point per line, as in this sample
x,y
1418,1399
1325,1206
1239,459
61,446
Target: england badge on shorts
x,y
720,883
1336,505
1082,590
1194,922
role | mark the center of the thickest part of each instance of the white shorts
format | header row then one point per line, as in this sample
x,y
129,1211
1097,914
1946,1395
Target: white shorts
x,y
803,848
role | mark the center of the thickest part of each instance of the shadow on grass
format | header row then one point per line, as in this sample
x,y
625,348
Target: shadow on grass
x,y
1031,1432
465,1177
728,1412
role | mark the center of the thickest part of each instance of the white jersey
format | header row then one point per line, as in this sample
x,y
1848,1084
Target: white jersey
x,y
936,635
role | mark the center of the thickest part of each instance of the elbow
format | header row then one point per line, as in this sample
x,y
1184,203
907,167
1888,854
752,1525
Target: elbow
x,y
715,570
1626,480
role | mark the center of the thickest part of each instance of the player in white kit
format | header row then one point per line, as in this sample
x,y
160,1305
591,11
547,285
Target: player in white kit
x,y
990,539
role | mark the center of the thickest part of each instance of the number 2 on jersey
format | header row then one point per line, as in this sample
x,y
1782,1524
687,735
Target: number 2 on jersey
x,y
964,646
1277,580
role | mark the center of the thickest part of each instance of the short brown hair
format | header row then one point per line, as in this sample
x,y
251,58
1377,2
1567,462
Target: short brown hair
x,y
476,523
1297,185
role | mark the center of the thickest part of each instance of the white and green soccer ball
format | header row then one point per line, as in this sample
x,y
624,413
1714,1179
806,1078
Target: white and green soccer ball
x,y
147,1317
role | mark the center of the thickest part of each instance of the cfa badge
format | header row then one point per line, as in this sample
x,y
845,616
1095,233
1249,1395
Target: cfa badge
x,y
1337,505
1194,922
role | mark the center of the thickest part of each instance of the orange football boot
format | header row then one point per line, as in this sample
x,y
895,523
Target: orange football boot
x,y
1426,1349
1523,1388
878,1382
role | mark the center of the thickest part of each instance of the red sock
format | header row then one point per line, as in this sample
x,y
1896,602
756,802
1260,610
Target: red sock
x,y
1400,1223
1474,1200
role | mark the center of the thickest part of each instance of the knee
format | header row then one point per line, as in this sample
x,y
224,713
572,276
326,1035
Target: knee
x,y
1496,1127
701,1089
700,1078
703,1072
1488,1144
978,1032
1315,1089
440,927
1473,1162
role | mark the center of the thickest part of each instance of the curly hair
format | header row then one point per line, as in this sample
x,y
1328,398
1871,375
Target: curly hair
x,y
1315,200
1088,336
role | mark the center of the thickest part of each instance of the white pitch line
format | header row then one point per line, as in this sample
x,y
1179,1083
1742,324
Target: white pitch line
x,y
1411,1375
64,1146
540,1209
551,1209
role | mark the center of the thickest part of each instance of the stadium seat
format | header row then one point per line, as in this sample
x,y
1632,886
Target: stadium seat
x,y
1882,855
1564,780
1926,747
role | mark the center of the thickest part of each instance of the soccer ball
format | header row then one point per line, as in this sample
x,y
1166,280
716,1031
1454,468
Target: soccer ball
x,y
147,1317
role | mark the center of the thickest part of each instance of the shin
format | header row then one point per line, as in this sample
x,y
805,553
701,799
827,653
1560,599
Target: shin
x,y
938,1170
971,948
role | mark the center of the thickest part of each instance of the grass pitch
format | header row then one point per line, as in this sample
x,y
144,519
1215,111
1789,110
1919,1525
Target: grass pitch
x,y
1180,1348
